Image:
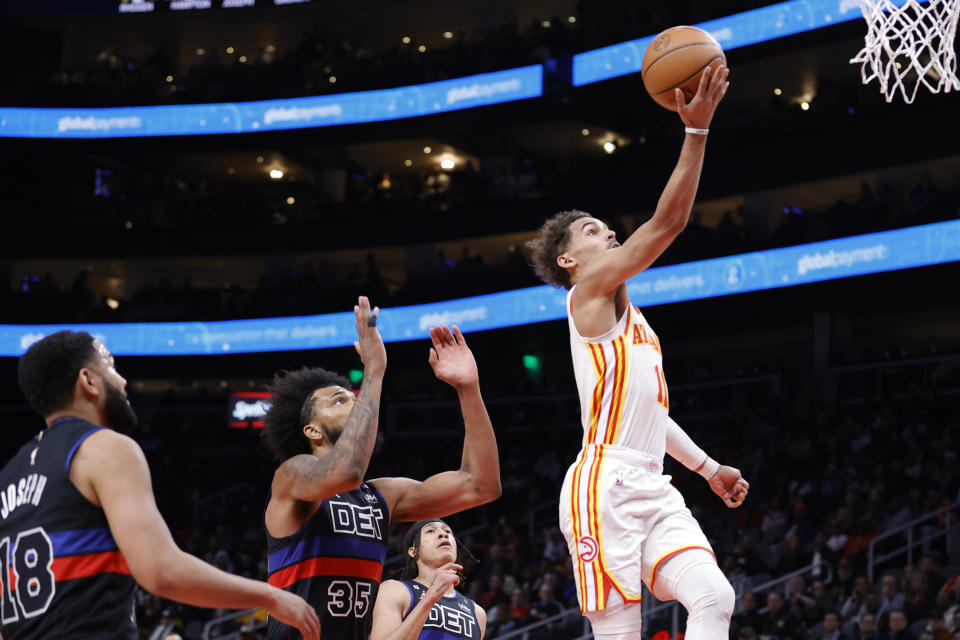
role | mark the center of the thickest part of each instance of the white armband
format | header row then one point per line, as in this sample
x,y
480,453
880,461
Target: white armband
x,y
709,468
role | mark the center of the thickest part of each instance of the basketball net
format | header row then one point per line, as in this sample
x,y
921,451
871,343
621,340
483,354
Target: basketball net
x,y
909,44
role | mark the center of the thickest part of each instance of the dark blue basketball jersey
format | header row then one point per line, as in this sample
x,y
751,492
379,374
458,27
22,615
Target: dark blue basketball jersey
x,y
451,618
61,574
334,562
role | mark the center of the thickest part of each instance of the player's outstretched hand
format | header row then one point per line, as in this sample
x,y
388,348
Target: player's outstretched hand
x,y
370,344
291,609
445,578
730,486
451,358
713,86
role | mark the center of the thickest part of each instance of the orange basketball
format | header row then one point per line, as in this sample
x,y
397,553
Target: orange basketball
x,y
677,58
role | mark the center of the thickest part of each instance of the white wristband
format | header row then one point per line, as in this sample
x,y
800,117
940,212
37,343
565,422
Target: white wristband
x,y
699,132
709,468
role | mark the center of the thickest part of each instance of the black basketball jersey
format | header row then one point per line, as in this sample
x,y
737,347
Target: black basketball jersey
x,y
334,562
451,618
61,574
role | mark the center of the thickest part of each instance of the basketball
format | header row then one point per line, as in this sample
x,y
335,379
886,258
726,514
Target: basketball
x,y
677,58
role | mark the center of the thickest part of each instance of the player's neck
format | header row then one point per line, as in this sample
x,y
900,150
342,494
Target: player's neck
x,y
321,449
84,412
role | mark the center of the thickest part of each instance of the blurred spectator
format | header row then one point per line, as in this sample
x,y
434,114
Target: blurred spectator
x,y
546,605
890,599
867,627
777,623
855,604
519,612
799,604
898,627
828,629
747,617
937,626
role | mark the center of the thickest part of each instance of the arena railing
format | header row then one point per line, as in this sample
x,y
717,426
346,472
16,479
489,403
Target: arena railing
x,y
546,626
912,541
923,368
252,625
822,570
222,493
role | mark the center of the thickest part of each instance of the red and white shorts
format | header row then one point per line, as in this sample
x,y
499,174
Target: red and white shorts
x,y
622,519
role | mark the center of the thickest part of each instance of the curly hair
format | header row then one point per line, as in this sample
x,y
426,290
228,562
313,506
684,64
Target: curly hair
x,y
47,372
551,241
292,407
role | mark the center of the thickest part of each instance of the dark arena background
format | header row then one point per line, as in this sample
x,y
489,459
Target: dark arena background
x,y
809,313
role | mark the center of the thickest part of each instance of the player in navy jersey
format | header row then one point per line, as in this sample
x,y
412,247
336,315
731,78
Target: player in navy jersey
x,y
78,519
424,603
326,527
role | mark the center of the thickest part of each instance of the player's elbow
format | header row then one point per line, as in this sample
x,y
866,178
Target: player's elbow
x,y
485,489
353,475
671,220
493,490
350,476
157,577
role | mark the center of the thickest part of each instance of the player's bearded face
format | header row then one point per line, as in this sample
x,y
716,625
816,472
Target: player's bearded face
x,y
119,413
332,431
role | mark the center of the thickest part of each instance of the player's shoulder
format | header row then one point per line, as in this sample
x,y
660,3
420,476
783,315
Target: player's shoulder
x,y
110,440
296,467
395,591
107,450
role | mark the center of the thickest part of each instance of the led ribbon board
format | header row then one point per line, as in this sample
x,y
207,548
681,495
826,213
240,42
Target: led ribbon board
x,y
738,30
271,115
858,255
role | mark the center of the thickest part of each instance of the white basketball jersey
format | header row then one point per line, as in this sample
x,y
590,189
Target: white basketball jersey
x,y
623,392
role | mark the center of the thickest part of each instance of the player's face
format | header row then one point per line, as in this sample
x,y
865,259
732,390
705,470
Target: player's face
x,y
437,546
331,408
116,406
589,237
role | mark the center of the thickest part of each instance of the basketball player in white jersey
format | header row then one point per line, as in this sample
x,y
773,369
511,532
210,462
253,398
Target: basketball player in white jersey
x,y
624,522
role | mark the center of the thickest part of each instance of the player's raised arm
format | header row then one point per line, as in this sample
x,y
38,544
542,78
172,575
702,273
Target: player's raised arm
x,y
310,478
111,471
603,275
477,481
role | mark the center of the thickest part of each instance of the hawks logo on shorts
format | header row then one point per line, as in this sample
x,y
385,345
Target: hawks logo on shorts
x,y
587,548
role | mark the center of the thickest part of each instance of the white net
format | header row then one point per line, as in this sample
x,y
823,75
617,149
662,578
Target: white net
x,y
908,45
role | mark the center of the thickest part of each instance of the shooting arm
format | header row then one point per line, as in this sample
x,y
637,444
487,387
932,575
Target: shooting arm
x,y
612,268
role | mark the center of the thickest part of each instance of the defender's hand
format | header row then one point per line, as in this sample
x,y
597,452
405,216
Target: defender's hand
x,y
713,86
451,358
730,486
370,344
445,578
291,609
